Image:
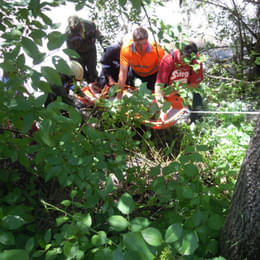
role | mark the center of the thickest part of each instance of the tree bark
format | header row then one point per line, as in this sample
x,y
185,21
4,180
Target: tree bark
x,y
240,237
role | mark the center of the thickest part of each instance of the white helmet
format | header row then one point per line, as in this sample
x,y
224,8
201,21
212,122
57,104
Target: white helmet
x,y
76,70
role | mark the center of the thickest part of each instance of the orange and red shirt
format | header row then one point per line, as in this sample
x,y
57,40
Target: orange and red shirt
x,y
143,65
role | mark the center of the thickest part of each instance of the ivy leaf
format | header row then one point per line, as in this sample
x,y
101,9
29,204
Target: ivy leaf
x,y
152,236
118,223
173,233
51,75
126,204
20,254
55,40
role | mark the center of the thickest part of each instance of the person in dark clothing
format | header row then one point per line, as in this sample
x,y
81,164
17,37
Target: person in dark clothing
x,y
110,62
67,83
81,37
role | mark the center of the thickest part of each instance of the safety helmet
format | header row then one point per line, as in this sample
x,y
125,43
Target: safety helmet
x,y
76,70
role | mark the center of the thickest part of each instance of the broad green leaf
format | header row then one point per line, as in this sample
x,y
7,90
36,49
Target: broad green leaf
x,y
13,222
71,53
56,39
190,170
154,171
61,220
31,49
139,223
117,254
14,34
61,66
122,2
109,186
66,203
118,223
52,254
202,148
6,238
47,236
136,4
12,254
173,233
171,168
135,242
87,220
51,75
29,244
215,221
152,236
197,218
189,244
126,204
187,193
99,239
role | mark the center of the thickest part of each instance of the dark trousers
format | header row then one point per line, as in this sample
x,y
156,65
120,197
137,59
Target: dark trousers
x,y
150,80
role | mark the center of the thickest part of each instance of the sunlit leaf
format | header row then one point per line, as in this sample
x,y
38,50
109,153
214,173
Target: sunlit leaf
x,y
126,204
51,75
152,236
118,223
139,223
173,233
189,244
56,39
12,254
13,222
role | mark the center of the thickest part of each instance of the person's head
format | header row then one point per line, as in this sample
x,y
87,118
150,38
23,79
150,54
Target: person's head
x,y
189,50
74,24
140,38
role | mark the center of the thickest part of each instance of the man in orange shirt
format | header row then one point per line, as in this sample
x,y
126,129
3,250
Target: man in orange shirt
x,y
141,57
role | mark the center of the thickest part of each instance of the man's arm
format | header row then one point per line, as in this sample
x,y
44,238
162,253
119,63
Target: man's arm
x,y
122,79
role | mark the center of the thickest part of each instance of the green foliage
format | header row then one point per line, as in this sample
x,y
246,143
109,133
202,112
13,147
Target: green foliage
x,y
71,191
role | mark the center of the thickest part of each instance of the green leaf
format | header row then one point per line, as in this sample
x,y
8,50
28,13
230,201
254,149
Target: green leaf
x,y
118,223
135,242
61,66
29,244
99,239
52,254
51,75
56,39
126,204
7,238
202,148
171,168
122,2
61,220
173,233
14,34
86,220
13,222
189,244
136,4
47,236
139,223
31,49
12,254
215,221
154,171
71,53
66,203
152,236
187,193
109,186
190,170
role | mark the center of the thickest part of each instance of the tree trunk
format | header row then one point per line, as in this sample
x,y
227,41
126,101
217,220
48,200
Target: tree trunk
x,y
240,237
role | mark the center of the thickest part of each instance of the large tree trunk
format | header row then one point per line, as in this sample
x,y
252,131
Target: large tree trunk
x,y
240,237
